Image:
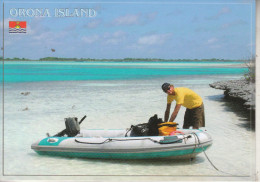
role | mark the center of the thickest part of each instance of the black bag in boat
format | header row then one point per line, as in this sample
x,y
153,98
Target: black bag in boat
x,y
139,130
147,129
153,125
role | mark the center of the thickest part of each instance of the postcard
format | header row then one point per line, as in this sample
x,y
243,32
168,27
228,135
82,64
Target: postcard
x,y
128,90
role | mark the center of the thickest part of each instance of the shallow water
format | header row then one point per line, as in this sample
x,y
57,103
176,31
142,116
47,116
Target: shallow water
x,y
118,104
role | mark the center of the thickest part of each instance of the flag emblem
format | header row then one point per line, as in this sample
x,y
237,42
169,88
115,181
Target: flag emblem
x,y
17,26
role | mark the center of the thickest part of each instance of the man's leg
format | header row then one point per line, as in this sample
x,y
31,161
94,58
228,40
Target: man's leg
x,y
187,119
198,117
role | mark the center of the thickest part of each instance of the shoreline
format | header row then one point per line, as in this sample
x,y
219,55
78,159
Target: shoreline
x,y
238,90
241,92
126,60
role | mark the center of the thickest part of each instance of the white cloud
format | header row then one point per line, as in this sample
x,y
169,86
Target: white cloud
x,y
175,12
72,27
114,38
214,43
154,39
117,34
50,36
127,20
107,38
90,39
212,40
151,16
233,23
221,12
134,19
94,23
112,41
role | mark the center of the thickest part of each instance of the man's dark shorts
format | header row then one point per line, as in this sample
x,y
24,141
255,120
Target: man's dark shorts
x,y
194,117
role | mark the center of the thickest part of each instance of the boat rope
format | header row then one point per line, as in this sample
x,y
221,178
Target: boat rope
x,y
195,146
111,140
122,140
129,129
199,144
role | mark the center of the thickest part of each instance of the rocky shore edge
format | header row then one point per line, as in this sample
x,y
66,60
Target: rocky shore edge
x,y
242,91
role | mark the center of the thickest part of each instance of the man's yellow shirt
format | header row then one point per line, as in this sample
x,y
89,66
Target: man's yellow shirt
x,y
186,97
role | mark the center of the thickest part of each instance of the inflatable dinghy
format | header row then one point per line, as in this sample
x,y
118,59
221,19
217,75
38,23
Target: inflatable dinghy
x,y
123,144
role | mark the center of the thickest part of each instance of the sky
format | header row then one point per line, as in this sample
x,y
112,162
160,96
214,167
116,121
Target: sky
x,y
198,29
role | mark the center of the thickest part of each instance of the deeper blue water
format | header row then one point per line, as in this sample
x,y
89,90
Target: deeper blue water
x,y
33,71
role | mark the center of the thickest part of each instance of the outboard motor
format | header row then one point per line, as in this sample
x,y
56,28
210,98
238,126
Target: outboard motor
x,y
72,126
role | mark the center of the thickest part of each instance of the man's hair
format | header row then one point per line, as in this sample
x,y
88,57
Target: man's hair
x,y
166,86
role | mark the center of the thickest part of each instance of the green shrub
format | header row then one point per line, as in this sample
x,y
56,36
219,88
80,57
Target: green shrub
x,y
250,74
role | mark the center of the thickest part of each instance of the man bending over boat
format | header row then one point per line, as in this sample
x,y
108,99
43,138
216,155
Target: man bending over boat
x,y
194,115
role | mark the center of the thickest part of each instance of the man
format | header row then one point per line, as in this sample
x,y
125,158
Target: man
x,y
194,115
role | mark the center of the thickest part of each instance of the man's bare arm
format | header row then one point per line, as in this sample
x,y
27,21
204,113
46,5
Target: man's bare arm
x,y
167,112
175,112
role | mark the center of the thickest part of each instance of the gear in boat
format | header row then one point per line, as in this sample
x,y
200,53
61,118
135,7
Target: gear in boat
x,y
154,127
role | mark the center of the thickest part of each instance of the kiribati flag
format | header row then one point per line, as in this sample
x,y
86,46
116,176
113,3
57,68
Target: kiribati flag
x,y
17,26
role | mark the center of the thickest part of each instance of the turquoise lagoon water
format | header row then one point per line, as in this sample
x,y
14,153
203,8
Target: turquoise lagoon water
x,y
34,71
